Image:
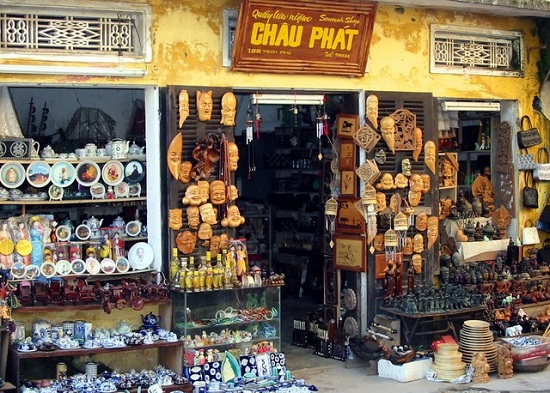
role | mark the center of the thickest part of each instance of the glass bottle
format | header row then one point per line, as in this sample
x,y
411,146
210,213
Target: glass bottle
x,y
181,274
228,271
189,276
174,265
218,269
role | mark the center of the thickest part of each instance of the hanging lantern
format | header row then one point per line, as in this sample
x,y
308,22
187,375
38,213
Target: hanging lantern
x,y
331,209
390,244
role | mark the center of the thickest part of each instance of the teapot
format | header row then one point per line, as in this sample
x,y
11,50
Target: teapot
x,y
118,222
135,150
150,319
48,152
120,148
93,222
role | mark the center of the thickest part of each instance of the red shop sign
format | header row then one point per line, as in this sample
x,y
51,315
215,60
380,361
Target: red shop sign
x,y
305,37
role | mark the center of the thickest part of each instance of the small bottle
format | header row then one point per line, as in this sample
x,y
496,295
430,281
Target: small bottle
x,y
189,283
228,273
174,265
181,274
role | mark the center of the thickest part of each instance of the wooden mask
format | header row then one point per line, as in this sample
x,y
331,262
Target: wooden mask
x,y
186,241
204,105
433,230
232,193
233,155
183,101
380,202
386,182
388,130
430,155
408,248
217,192
192,196
208,214
418,143
173,157
205,231
416,261
204,190
175,219
193,217
185,171
421,221
401,181
426,182
418,243
415,182
379,242
414,198
234,218
371,108
229,109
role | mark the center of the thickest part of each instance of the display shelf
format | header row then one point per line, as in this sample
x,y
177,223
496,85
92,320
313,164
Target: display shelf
x,y
79,307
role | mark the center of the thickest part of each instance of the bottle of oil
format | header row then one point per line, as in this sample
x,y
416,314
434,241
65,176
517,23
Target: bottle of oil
x,y
181,274
189,282
228,271
174,266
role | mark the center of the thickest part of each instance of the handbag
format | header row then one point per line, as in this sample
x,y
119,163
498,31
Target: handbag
x,y
526,161
529,234
542,169
528,136
530,193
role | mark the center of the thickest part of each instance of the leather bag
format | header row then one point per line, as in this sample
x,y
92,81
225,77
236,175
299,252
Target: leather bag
x,y
529,234
530,193
528,136
526,161
542,169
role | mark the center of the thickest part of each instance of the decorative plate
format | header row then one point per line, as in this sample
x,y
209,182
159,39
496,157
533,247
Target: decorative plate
x,y
92,265
87,173
108,266
63,267
134,189
31,272
83,232
12,174
134,172
78,266
133,228
97,191
121,190
55,193
63,174
23,247
140,256
18,270
39,174
113,173
63,233
122,265
47,269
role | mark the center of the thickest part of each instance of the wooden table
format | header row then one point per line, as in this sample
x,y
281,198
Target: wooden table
x,y
434,323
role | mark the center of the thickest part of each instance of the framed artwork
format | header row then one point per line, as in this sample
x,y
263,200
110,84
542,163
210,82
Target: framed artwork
x,y
332,283
346,125
346,159
349,219
381,263
348,184
350,253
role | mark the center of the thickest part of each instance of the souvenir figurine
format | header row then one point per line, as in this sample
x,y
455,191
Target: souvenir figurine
x,y
481,368
229,109
233,156
174,155
388,130
193,217
234,218
204,105
430,155
186,241
192,196
175,219
185,172
408,248
183,100
418,143
217,192
208,214
371,107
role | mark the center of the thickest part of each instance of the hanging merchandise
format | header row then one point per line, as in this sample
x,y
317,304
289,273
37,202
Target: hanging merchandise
x,y
366,137
368,171
183,107
257,120
250,141
401,224
331,209
368,205
174,155
430,155
405,124
418,143
432,232
388,130
390,244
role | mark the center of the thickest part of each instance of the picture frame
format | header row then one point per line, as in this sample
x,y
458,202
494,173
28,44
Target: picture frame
x,y
380,264
348,183
349,219
350,253
346,158
346,125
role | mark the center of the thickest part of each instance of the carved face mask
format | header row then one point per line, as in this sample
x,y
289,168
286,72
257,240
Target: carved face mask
x,y
183,100
214,245
234,218
205,231
217,192
387,129
414,198
208,214
406,167
204,105
175,219
233,155
426,182
193,217
380,156
421,222
401,180
408,248
415,182
371,107
380,201
433,230
204,190
229,109
395,201
174,155
192,196
233,193
416,261
185,171
429,155
418,243
224,241
418,143
186,241
386,182
379,242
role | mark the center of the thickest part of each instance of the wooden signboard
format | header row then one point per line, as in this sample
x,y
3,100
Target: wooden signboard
x,y
305,37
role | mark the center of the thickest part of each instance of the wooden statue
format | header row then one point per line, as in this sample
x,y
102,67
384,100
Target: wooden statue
x,y
505,366
481,368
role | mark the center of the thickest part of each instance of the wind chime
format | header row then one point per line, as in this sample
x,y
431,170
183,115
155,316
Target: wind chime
x,y
390,244
331,209
250,140
401,225
368,203
322,127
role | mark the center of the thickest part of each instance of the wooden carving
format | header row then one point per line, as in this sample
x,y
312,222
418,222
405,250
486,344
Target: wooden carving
x,y
174,155
366,137
504,148
405,124
183,109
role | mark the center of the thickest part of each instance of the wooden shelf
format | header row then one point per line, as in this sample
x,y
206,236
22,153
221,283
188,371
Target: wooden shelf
x,y
74,201
80,307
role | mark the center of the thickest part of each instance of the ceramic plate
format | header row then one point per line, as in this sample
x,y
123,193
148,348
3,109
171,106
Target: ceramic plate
x,y
133,228
134,189
12,174
92,265
113,173
18,270
140,256
83,232
32,271
97,191
63,233
55,193
122,265
63,174
63,267
78,266
39,174
108,266
121,190
87,173
134,172
47,269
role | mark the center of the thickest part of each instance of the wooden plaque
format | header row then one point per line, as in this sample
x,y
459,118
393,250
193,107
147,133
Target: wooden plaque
x,y
350,253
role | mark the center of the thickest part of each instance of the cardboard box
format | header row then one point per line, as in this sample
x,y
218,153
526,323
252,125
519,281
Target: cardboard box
x,y
407,372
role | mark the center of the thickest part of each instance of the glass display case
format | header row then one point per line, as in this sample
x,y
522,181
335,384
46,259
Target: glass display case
x,y
242,320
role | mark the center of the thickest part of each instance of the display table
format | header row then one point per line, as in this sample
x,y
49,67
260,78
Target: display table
x,y
438,322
